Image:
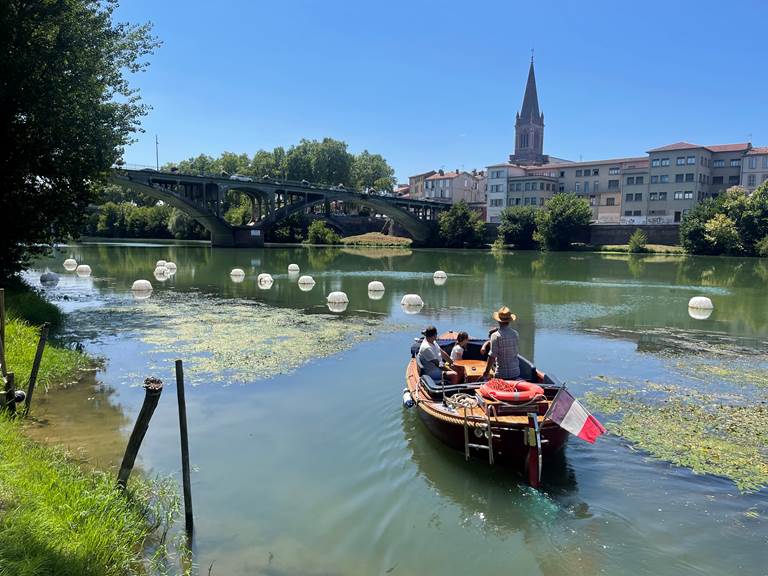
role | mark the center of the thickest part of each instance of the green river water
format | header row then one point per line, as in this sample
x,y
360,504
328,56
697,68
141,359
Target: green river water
x,y
305,461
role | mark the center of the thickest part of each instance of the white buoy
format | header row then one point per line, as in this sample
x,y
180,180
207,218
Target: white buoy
x,y
411,303
699,313
70,264
83,270
700,302
171,267
142,289
306,283
440,280
293,268
337,297
160,263
49,279
439,274
237,272
375,294
375,286
264,281
161,274
337,306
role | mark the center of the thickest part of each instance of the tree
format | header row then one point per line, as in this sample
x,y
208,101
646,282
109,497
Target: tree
x,y
563,220
331,163
66,112
182,227
461,227
372,171
637,242
722,235
319,233
517,226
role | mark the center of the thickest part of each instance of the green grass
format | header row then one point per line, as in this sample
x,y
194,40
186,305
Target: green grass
x,y
58,365
376,239
649,248
57,519
23,302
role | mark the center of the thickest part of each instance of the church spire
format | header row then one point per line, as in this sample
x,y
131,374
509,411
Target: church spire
x,y
530,109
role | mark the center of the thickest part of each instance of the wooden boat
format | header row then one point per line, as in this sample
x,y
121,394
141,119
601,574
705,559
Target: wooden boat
x,y
514,434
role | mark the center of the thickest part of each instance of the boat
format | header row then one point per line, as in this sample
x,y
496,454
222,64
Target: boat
x,y
510,429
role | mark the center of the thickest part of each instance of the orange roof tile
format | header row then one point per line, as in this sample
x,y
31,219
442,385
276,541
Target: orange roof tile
x,y
676,146
448,175
729,147
758,150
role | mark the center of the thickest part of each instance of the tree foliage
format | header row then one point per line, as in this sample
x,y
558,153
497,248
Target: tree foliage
x,y
461,227
372,171
733,223
637,242
127,220
66,112
563,220
320,233
517,226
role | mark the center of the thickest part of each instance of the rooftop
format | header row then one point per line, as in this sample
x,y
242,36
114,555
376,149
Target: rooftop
x,y
713,148
589,163
758,150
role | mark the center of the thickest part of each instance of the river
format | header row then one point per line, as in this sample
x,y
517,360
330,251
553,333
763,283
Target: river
x,y
304,460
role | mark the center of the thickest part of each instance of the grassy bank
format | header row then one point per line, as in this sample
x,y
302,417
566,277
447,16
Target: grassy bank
x,y
649,249
57,518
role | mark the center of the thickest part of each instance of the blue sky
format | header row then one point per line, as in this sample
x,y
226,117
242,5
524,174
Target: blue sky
x,y
437,84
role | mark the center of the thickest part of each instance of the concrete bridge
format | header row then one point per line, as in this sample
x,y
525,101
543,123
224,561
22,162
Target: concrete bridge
x,y
271,201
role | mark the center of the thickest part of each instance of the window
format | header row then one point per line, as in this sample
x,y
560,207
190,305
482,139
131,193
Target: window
x,y
688,195
527,201
517,201
595,171
655,163
610,201
496,201
527,186
630,180
639,197
689,177
586,187
735,162
636,213
519,187
691,159
679,177
561,188
718,163
765,161
541,185
628,197
627,212
578,173
752,178
753,163
654,179
596,186
639,179
562,173
615,170
541,201
733,179
680,161
577,187
592,200
664,178
717,179
679,195
662,195
665,161
613,184
653,196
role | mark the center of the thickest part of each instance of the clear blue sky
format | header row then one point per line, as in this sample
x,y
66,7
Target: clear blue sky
x,y
431,84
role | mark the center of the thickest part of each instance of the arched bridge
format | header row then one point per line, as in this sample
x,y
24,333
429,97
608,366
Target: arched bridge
x,y
271,201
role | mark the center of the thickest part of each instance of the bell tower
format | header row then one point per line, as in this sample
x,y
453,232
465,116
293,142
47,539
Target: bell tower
x,y
529,127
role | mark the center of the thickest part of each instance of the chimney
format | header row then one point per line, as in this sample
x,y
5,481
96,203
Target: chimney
x,y
441,172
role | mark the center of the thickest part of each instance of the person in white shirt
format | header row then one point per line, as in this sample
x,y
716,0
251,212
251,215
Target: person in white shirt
x,y
432,358
457,352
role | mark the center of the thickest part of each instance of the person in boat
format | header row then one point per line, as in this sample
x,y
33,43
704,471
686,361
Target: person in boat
x,y
433,358
503,350
487,344
457,352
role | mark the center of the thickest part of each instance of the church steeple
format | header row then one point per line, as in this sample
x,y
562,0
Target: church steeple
x,y
529,126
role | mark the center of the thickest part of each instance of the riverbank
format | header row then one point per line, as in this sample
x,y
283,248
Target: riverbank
x,y
55,516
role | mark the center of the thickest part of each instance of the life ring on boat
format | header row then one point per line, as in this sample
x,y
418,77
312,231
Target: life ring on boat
x,y
510,390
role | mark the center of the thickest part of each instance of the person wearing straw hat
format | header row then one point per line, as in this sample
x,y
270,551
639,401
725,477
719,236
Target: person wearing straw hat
x,y
502,355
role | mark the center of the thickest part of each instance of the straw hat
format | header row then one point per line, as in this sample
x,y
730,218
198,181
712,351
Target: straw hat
x,y
504,314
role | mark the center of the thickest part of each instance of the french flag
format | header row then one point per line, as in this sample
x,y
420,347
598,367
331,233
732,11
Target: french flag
x,y
570,415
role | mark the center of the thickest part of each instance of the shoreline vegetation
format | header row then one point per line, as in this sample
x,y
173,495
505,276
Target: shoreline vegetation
x,y
57,516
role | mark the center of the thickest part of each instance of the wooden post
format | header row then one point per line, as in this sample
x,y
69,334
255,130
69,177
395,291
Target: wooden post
x,y
153,388
9,397
2,332
36,366
188,520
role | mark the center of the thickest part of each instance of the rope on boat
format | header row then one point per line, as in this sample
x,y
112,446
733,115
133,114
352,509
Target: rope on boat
x,y
461,401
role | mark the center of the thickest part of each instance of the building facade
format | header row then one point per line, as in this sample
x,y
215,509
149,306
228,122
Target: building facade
x,y
754,168
416,184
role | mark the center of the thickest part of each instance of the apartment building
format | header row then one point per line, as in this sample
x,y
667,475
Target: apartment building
x,y
416,184
452,187
754,168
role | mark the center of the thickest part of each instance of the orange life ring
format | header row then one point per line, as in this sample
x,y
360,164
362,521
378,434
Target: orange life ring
x,y
510,390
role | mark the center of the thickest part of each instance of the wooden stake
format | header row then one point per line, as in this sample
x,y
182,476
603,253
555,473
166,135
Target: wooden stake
x,y
2,331
153,388
9,398
36,366
188,520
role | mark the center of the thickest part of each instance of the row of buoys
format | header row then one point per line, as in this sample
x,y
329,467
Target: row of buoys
x,y
82,270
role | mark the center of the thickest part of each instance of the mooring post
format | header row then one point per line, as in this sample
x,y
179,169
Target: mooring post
x,y
2,332
188,521
153,388
36,366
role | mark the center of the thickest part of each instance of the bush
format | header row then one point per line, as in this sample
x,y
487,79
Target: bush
x,y
637,242
563,220
762,247
461,227
722,235
320,233
518,226
292,229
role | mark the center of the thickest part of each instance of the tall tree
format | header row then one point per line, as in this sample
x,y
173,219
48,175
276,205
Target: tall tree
x,y
461,227
66,112
372,171
331,163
